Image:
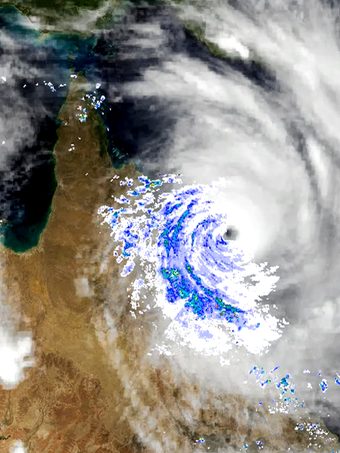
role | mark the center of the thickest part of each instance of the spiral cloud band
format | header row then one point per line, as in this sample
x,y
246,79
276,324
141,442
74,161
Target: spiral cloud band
x,y
255,136
265,120
205,282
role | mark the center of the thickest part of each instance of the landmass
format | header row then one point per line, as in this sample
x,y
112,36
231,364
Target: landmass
x,y
71,399
91,389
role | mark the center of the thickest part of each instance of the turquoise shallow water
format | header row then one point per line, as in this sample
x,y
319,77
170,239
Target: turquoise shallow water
x,y
126,128
27,194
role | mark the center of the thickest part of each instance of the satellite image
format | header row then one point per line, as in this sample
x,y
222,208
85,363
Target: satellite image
x,y
169,225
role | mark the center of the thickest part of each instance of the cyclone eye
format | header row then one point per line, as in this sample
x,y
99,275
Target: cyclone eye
x,y
230,234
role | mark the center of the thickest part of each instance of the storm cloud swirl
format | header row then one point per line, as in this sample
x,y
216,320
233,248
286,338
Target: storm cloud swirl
x,y
252,127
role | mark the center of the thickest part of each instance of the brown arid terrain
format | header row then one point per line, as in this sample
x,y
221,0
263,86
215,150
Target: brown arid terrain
x,y
71,400
92,388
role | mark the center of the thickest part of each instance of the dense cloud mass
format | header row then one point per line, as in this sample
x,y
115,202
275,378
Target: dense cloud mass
x,y
264,117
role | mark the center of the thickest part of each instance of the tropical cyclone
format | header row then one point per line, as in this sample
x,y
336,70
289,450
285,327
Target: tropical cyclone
x,y
93,388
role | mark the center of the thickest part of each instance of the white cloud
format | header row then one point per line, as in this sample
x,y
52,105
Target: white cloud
x,y
15,355
18,116
18,447
16,346
277,144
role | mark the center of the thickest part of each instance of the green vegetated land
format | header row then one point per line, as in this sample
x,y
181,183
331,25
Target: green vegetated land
x,y
56,6
58,13
54,10
51,12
